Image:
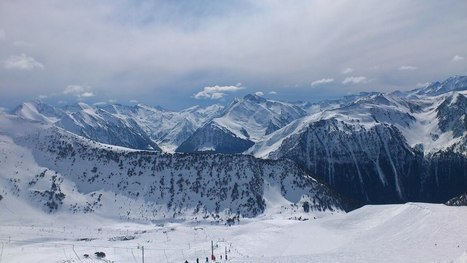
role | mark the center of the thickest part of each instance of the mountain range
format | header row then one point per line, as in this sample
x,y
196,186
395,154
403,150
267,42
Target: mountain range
x,y
219,162
45,166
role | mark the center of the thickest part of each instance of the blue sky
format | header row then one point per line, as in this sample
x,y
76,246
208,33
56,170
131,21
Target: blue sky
x,y
181,53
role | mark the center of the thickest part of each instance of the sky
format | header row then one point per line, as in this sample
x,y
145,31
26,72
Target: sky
x,y
180,53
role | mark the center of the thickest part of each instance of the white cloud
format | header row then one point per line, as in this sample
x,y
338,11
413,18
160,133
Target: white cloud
x,y
216,92
407,68
134,101
422,85
259,93
347,70
457,58
78,91
87,94
22,62
2,34
354,80
272,93
321,81
42,96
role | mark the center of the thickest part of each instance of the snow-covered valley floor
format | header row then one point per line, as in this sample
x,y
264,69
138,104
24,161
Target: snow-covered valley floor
x,y
412,232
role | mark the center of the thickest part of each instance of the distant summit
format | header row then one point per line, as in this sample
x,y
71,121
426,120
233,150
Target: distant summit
x,y
455,83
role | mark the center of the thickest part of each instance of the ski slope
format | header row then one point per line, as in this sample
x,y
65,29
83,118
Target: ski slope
x,y
412,232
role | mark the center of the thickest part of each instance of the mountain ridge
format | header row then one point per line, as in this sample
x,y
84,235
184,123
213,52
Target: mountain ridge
x,y
59,171
372,147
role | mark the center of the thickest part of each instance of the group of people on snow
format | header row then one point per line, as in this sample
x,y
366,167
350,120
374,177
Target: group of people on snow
x,y
213,258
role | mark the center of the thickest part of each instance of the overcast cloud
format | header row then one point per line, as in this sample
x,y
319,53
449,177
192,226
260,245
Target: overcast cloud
x,y
165,52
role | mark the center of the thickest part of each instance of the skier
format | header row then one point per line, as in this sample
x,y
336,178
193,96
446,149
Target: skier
x,y
186,261
197,260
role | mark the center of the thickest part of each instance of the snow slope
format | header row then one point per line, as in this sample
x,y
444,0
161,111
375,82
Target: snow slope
x,y
412,232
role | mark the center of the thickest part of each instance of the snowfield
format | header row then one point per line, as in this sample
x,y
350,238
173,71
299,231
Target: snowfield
x,y
412,232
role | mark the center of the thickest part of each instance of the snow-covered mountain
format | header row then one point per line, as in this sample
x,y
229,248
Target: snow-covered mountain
x,y
138,127
46,166
383,147
372,147
242,124
93,123
455,83
166,128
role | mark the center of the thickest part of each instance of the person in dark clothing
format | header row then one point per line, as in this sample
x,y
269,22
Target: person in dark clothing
x,y
186,261
197,260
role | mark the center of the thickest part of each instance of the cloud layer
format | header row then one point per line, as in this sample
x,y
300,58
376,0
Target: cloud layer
x,y
163,52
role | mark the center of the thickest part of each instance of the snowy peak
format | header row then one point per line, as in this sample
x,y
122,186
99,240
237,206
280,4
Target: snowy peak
x,y
255,114
244,122
382,145
455,83
377,99
118,109
139,126
38,111
170,128
77,107
254,98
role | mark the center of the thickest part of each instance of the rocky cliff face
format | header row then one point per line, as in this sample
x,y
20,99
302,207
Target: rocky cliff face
x,y
371,165
382,148
216,139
